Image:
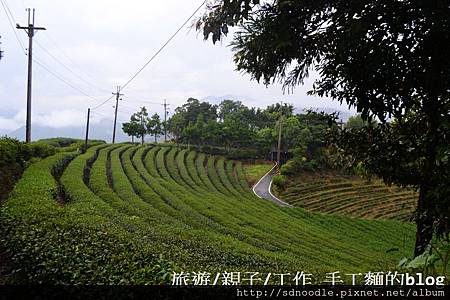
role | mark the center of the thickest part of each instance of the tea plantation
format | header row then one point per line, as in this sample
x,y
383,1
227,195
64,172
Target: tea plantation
x,y
124,214
349,195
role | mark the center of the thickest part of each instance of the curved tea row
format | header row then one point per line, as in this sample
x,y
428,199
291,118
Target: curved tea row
x,y
148,210
351,197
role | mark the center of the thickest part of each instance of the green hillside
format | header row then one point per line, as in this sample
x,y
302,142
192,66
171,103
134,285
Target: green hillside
x,y
133,214
335,193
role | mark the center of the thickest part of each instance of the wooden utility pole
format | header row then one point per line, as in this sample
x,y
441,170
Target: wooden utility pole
x,y
30,30
118,94
142,126
280,121
87,130
1,52
165,119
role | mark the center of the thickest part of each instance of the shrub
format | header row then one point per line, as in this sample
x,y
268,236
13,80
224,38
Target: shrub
x,y
290,168
242,154
69,144
279,181
40,150
59,141
12,163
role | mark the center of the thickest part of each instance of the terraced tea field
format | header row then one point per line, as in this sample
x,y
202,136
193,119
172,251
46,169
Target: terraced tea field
x,y
133,214
351,196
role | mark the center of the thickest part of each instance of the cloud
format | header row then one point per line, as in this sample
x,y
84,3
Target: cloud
x,y
107,41
60,119
7,125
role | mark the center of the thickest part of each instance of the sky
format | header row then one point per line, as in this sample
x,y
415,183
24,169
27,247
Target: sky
x,y
95,45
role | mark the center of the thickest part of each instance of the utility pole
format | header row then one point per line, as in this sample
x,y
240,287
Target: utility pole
x,y
30,30
279,136
87,130
165,119
1,52
142,126
118,94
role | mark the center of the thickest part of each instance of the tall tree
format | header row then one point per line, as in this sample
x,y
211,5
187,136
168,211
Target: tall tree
x,y
131,128
154,126
141,119
385,58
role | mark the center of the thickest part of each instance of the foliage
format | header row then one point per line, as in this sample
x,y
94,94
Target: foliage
x,y
280,181
385,58
357,122
65,142
141,124
398,152
49,245
131,128
154,126
242,130
60,141
434,261
138,125
128,205
14,157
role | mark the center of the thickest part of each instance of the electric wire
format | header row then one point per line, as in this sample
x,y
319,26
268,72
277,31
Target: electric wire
x,y
163,46
6,9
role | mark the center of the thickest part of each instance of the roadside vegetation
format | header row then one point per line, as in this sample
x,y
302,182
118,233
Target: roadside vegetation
x,y
254,172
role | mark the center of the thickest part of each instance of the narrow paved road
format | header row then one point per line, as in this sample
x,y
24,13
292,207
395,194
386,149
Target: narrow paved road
x,y
262,188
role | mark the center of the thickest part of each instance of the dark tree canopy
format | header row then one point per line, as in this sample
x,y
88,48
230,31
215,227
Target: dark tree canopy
x,y
382,56
387,58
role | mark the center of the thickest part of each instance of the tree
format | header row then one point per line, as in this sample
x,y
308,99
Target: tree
x,y
188,114
131,128
229,107
140,120
357,122
385,58
154,126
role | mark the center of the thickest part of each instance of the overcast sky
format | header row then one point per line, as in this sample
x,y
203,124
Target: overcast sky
x,y
105,42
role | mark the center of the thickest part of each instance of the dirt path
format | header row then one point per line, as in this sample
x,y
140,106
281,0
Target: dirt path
x,y
263,187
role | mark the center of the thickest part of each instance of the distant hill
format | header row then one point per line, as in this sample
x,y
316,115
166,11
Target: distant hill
x,y
99,131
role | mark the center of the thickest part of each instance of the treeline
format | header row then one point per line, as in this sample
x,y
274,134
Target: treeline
x,y
141,124
235,130
233,127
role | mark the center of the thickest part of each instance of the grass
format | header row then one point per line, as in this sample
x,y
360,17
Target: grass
x,y
139,212
253,172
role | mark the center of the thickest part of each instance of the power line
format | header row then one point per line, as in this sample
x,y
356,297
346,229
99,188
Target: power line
x,y
6,9
162,48
66,67
71,61
30,31
103,103
153,57
65,81
11,18
61,78
143,102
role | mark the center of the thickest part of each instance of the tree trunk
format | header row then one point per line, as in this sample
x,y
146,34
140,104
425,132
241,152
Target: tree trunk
x,y
424,222
155,139
425,216
142,140
132,139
